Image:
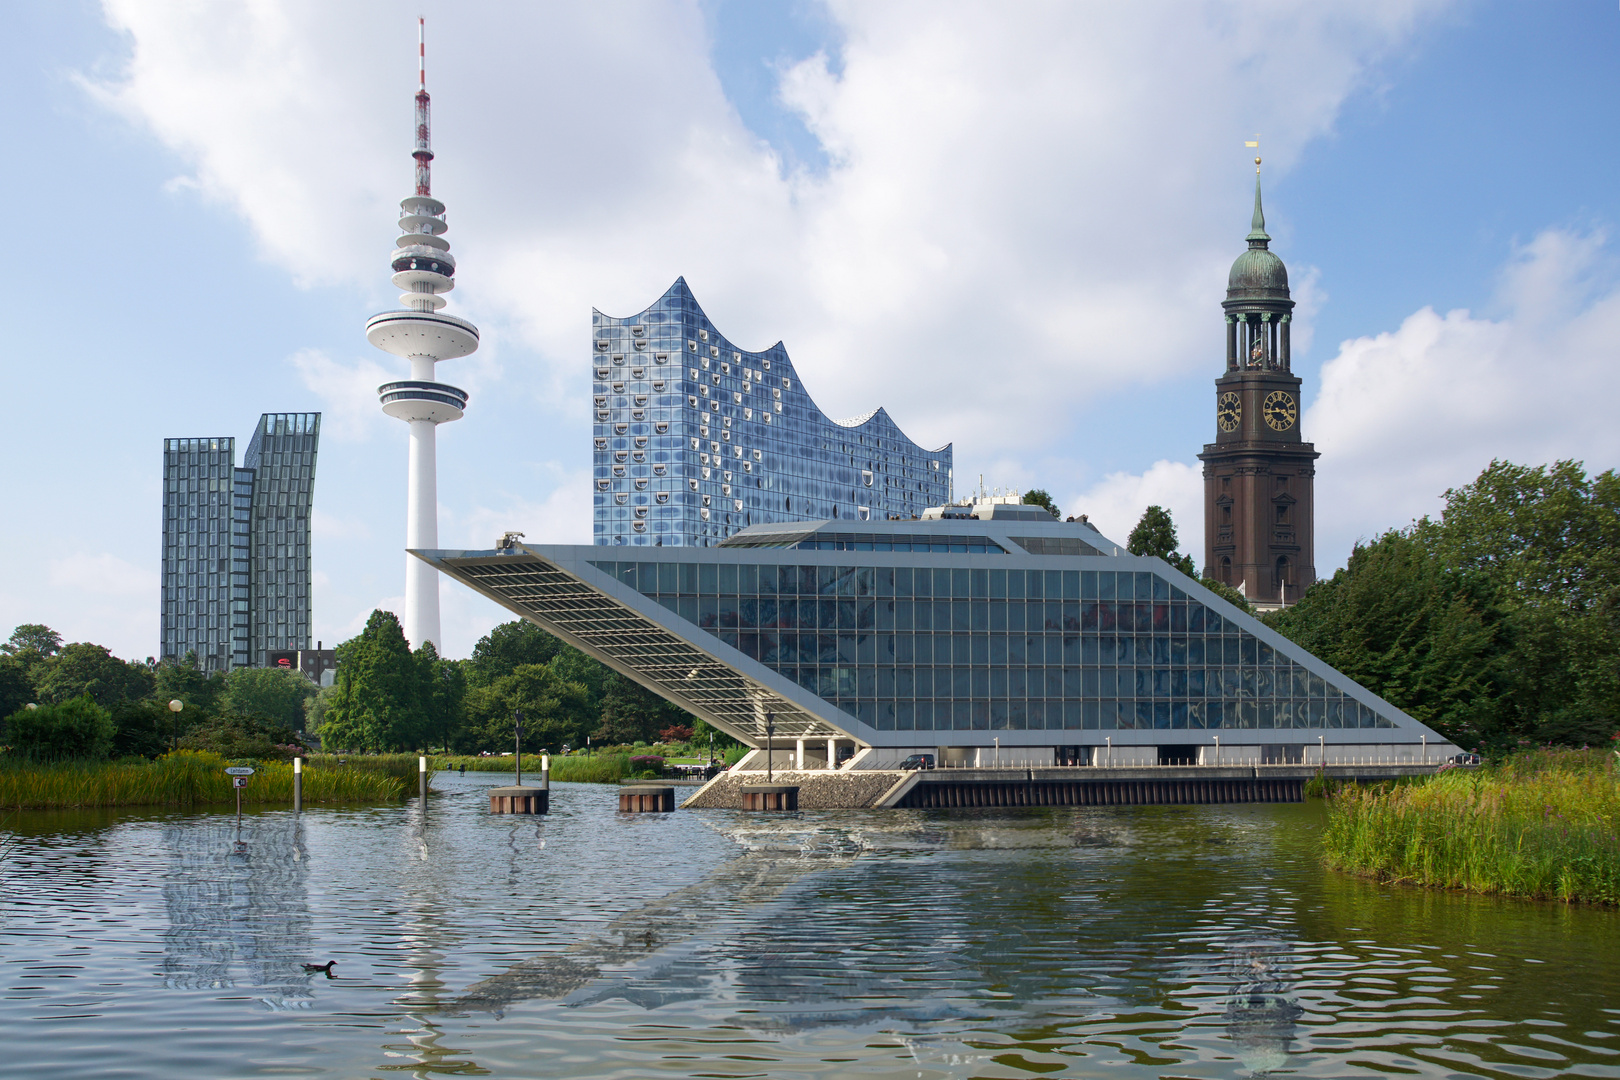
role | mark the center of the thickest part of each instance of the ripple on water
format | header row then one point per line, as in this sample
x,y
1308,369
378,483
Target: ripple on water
x,y
1153,941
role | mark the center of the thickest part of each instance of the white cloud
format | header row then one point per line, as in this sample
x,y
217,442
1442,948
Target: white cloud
x,y
348,393
1404,415
1115,503
1053,196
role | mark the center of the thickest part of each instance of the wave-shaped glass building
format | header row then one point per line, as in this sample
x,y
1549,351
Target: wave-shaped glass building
x,y
1001,628
696,439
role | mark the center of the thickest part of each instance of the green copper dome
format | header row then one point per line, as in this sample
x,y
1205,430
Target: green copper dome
x,y
1258,273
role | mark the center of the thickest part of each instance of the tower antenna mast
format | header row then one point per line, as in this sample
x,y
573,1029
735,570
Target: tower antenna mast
x,y
422,334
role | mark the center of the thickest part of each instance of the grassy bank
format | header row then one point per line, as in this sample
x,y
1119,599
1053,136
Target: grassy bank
x,y
576,768
185,778
1545,824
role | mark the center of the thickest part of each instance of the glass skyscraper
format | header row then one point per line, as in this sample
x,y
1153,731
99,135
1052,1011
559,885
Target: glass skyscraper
x,y
236,561
696,439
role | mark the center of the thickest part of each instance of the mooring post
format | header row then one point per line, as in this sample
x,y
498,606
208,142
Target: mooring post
x,y
545,772
298,785
421,778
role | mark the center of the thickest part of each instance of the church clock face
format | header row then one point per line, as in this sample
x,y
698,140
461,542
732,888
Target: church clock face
x,y
1228,411
1280,411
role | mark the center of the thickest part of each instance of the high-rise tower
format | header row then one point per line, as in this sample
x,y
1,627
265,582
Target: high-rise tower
x,y
1259,510
422,334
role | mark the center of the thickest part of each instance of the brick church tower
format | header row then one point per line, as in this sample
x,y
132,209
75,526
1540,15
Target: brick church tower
x,y
1259,514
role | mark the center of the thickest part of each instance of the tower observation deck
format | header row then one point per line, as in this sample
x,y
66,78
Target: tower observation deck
x,y
421,333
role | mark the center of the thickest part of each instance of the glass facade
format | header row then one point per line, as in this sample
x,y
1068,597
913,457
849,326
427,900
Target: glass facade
x,y
957,648
696,439
236,544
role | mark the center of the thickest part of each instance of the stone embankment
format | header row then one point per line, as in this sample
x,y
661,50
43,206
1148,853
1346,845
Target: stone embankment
x,y
818,790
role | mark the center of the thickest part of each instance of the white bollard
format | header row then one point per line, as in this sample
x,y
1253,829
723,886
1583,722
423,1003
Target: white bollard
x,y
298,785
545,772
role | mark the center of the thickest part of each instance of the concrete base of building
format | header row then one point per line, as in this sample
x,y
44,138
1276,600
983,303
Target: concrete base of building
x,y
1077,786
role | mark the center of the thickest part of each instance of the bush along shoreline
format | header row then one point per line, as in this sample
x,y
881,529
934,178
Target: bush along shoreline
x,y
185,778
1544,824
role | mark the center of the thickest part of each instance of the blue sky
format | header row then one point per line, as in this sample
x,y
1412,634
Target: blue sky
x,y
1008,225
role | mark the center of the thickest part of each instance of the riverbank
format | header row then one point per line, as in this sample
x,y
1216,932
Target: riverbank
x,y
184,778
1545,825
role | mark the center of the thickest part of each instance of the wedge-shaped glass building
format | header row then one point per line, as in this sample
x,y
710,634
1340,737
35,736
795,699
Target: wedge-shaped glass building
x,y
696,439
1009,630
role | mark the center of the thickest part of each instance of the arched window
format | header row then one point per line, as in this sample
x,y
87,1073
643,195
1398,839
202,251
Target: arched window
x,y
1285,578
1226,569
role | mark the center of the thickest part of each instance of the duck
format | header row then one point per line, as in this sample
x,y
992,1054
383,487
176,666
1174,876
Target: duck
x,y
326,967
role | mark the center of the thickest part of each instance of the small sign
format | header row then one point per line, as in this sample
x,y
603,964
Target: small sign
x,y
238,781
239,770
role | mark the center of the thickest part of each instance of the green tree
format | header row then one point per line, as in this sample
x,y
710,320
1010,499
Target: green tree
x,y
73,729
631,713
1229,594
273,694
232,735
141,728
444,692
555,711
1155,535
1419,633
509,645
1039,497
16,690
84,669
30,644
184,681
378,704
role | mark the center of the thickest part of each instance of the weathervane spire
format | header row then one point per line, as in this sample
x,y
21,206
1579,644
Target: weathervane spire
x,y
1257,227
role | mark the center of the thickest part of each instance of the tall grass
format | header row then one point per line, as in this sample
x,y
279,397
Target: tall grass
x,y
573,769
1543,824
183,778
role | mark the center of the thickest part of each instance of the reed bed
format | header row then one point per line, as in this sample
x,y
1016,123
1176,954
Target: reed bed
x,y
183,778
573,769
1545,824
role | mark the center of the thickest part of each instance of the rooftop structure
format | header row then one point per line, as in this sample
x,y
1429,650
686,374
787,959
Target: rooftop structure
x,y
948,635
422,334
696,438
236,544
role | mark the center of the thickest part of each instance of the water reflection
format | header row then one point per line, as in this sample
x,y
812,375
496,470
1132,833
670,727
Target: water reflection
x,y
237,901
1260,1013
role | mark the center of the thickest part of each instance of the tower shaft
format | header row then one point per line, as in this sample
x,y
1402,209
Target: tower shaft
x,y
423,335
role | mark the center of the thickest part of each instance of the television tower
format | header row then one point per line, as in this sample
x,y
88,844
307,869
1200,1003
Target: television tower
x,y
422,334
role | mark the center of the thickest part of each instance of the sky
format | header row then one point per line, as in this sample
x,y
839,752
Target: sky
x,y
1008,224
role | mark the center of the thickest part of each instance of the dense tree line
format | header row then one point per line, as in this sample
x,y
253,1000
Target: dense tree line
x,y
80,701
1498,623
387,697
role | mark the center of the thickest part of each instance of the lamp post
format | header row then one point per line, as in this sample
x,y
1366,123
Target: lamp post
x,y
770,735
175,706
517,734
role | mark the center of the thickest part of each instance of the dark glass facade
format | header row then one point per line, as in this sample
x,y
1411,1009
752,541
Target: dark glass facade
x,y
696,439
236,544
937,648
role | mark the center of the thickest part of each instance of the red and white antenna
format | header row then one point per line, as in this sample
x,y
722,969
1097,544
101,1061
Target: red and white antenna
x,y
424,149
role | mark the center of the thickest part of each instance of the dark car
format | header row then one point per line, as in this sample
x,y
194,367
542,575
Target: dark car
x,y
1464,759
918,761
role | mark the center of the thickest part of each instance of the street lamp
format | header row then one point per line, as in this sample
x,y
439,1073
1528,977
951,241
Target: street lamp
x,y
517,734
770,734
175,705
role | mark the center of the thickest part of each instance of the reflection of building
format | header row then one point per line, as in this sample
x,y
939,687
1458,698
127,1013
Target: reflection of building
x,y
1259,508
951,635
238,908
696,439
236,558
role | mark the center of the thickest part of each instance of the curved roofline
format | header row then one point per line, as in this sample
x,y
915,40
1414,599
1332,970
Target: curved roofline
x,y
681,288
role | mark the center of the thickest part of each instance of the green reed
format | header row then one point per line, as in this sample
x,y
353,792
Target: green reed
x,y
1543,824
573,769
184,778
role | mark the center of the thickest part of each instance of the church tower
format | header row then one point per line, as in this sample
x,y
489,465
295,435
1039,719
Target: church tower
x,y
1259,514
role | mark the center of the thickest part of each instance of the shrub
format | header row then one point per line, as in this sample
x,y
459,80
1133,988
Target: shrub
x,y
78,728
646,765
243,737
677,733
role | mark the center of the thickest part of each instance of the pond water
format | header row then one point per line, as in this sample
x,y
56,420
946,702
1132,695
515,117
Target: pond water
x,y
1126,941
